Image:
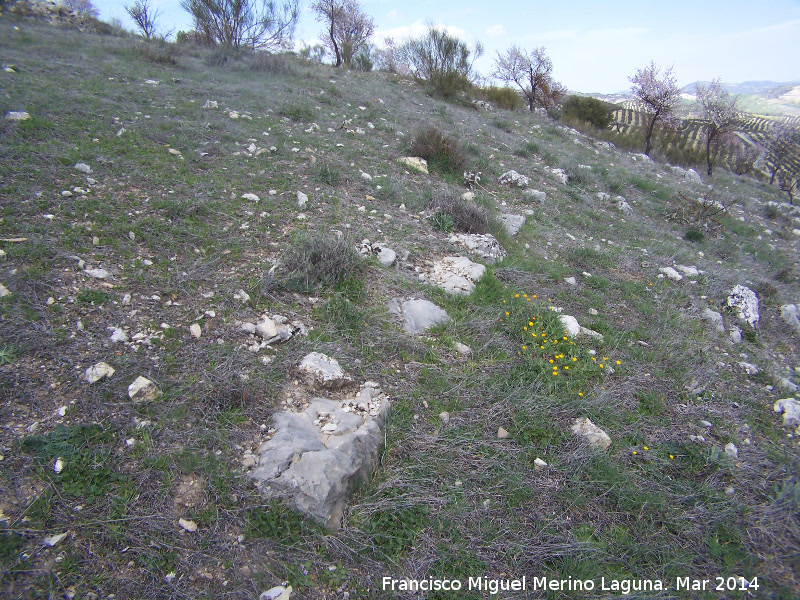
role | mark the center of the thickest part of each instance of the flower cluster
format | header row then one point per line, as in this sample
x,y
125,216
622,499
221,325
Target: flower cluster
x,y
545,345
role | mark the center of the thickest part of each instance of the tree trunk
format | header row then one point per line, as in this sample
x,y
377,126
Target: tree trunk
x,y
708,154
647,145
335,47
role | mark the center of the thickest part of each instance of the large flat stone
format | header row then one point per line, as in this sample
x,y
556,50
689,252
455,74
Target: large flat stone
x,y
421,315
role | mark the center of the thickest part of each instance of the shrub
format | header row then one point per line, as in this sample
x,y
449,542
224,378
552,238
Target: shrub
x,y
318,260
440,150
503,125
299,112
328,173
264,62
159,51
589,110
455,213
503,97
528,149
442,60
694,235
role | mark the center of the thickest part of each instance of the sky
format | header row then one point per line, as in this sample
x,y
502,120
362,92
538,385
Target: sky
x,y
595,47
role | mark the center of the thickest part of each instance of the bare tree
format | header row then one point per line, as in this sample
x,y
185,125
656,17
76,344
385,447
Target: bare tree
x,y
144,15
658,95
531,71
347,27
783,147
720,114
258,24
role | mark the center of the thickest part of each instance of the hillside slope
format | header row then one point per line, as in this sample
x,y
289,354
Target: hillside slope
x,y
181,232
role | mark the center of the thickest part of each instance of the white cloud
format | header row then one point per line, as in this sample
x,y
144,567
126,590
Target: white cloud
x,y
496,31
392,14
416,29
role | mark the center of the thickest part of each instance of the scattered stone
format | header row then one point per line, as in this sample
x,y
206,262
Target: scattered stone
x,y
596,437
118,336
242,295
602,196
671,273
560,175
789,313
745,301
195,330
537,195
302,199
502,433
366,176
97,273
622,205
463,349
749,368
98,372
54,539
714,318
83,168
571,325
211,104
735,334
250,196
790,408
456,274
418,315
599,337
484,245
514,179
277,593
189,526
313,465
512,223
689,271
703,423
570,280
324,371
143,390
539,464
58,466
785,384
468,196
445,417
267,329
731,451
483,105
414,162
4,291
386,256
17,115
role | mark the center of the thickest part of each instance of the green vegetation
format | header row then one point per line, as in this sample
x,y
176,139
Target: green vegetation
x,y
163,212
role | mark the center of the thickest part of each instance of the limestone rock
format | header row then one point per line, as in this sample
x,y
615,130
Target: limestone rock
x,y
463,349
671,273
622,205
537,195
594,436
17,115
323,370
211,104
745,301
267,329
512,223
714,318
143,390
97,273
502,433
485,245
414,162
317,456
98,372
749,368
689,271
514,179
571,325
420,315
731,450
118,335
386,256
790,408
560,175
277,593
4,291
457,274
83,168
250,196
735,334
539,464
195,330
789,313
693,176
302,199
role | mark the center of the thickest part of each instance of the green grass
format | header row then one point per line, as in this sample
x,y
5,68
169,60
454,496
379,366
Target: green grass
x,y
448,499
